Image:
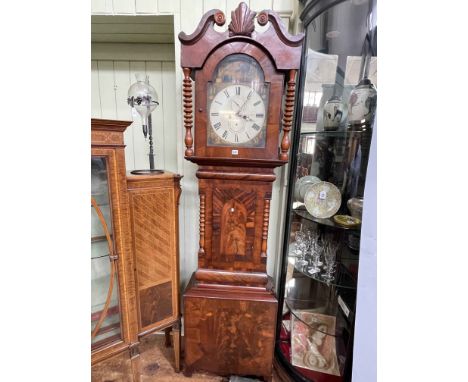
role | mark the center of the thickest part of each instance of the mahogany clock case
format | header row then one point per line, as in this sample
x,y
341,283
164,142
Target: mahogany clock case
x,y
229,307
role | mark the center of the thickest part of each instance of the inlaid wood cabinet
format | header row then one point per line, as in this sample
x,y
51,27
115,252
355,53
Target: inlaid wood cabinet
x,y
134,250
113,302
154,217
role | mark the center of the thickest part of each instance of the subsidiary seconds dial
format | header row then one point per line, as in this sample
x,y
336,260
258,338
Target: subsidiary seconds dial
x,y
237,114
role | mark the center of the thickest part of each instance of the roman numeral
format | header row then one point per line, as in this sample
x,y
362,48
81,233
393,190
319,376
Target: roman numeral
x,y
237,90
248,136
217,125
237,138
225,134
255,127
250,94
256,103
214,114
257,115
226,93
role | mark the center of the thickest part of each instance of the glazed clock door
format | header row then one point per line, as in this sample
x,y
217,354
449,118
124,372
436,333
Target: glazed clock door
x,y
105,309
237,103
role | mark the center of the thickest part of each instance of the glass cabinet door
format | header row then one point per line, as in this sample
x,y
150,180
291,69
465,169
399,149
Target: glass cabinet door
x,y
105,310
334,123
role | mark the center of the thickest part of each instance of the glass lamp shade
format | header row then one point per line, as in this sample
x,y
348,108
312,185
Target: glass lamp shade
x,y
143,97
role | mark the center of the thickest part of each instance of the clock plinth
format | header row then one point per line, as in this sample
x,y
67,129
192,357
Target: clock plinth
x,y
230,329
240,79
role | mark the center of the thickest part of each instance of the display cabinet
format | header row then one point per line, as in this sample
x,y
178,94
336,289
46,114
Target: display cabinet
x,y
333,131
113,303
134,250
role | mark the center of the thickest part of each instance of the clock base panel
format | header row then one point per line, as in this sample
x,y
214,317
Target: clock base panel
x,y
229,330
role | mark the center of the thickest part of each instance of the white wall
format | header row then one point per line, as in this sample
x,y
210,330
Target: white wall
x,y
110,81
113,68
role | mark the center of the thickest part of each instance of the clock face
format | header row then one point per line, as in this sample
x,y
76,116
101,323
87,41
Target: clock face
x,y
237,103
237,114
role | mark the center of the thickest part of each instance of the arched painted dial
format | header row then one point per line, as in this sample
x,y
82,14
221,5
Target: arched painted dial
x,y
237,114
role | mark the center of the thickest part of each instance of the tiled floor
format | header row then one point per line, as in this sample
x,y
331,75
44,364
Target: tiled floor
x,y
156,365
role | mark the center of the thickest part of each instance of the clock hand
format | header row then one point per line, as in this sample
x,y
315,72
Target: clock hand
x,y
236,105
242,107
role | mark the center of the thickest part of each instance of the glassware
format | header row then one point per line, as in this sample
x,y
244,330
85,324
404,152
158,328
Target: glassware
x,y
298,237
355,207
316,251
302,244
330,250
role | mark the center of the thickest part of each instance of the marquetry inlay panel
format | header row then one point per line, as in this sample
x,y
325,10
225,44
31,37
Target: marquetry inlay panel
x,y
153,237
219,332
104,138
233,224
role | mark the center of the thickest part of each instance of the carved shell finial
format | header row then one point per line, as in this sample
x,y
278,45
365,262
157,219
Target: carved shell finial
x,y
242,21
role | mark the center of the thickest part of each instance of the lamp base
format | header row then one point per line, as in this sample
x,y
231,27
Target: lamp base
x,y
147,172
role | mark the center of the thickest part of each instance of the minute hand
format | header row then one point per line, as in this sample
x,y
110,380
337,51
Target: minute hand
x,y
242,108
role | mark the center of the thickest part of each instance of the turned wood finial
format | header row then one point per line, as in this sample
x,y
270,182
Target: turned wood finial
x,y
242,21
288,115
219,18
187,95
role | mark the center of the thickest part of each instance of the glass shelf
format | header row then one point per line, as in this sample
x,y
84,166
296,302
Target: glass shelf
x,y
99,257
328,222
99,249
340,134
343,279
98,238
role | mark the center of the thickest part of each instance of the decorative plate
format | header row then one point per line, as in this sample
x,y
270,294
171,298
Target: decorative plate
x,y
322,200
346,220
302,185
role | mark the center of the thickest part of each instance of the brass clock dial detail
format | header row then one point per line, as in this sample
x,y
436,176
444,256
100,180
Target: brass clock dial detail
x,y
237,114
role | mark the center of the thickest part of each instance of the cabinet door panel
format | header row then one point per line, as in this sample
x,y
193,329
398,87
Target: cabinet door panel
x,y
154,230
105,306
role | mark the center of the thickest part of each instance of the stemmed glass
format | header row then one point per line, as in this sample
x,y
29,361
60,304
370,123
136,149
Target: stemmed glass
x,y
301,248
298,237
330,250
316,251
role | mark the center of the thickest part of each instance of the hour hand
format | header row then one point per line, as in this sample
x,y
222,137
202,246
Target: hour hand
x,y
238,107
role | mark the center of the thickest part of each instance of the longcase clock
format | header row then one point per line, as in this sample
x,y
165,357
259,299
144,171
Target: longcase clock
x,y
243,110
